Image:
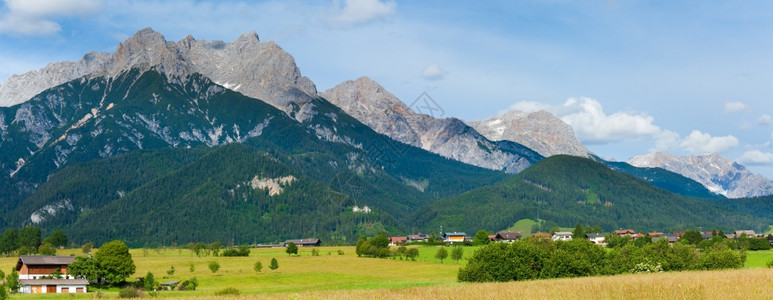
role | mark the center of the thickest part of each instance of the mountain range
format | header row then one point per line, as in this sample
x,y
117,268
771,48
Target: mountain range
x,y
192,139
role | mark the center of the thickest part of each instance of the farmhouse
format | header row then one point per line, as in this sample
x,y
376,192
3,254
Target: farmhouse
x,y
454,237
562,236
304,242
596,238
397,240
508,237
38,275
417,237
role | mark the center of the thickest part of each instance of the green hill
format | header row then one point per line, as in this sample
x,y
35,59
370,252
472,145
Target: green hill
x,y
570,190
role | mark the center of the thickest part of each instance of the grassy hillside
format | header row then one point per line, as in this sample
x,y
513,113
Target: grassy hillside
x,y
570,190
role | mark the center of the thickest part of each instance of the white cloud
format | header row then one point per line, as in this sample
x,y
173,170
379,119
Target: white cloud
x,y
735,106
433,72
593,126
765,120
756,157
33,17
666,140
699,143
356,12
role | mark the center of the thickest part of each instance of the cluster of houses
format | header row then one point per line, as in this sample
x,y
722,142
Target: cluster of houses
x,y
454,237
596,238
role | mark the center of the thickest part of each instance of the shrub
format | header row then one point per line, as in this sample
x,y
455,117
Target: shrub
x,y
129,292
340,252
229,291
769,263
214,266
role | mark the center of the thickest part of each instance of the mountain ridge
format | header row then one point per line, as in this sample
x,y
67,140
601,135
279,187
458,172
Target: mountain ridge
x,y
718,174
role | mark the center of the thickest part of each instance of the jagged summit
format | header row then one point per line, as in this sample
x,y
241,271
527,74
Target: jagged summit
x,y
718,174
368,101
541,131
257,69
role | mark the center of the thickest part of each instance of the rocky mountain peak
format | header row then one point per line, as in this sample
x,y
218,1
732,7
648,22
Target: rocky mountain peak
x,y
257,69
148,48
720,175
541,131
370,103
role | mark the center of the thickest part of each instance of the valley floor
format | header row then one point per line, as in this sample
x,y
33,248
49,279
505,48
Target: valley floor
x,y
334,276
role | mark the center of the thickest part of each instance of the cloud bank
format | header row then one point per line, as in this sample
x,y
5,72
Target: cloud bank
x,y
35,17
594,126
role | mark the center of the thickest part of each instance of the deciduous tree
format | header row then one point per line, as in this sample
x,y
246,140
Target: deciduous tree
x,y
457,253
291,249
115,261
441,254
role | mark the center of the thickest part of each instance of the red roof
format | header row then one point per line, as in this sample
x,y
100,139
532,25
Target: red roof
x,y
398,239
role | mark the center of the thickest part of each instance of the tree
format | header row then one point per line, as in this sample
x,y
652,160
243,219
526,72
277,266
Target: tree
x,y
579,232
412,253
692,236
149,283
170,272
215,248
379,241
30,237
10,241
291,249
457,253
258,266
441,254
274,264
86,268
481,238
57,239
115,261
214,266
47,249
87,247
358,247
13,281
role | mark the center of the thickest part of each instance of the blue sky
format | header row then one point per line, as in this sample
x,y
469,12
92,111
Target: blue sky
x,y
631,77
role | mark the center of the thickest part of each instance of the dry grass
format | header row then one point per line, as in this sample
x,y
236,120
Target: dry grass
x,y
730,284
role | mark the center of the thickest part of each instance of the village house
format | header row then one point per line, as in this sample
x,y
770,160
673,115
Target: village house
x,y
562,236
625,232
397,240
596,238
417,238
507,237
671,238
748,233
454,237
38,275
304,242
365,209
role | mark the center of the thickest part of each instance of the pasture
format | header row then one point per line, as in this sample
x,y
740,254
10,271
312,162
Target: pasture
x,y
334,276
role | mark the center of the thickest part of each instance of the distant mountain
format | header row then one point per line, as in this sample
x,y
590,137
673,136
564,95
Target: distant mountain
x,y
717,173
540,131
664,179
257,69
370,103
571,190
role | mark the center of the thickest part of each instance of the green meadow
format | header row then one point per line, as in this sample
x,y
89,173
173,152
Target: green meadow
x,y
331,275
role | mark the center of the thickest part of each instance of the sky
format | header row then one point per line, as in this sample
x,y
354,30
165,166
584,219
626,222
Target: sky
x,y
631,77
